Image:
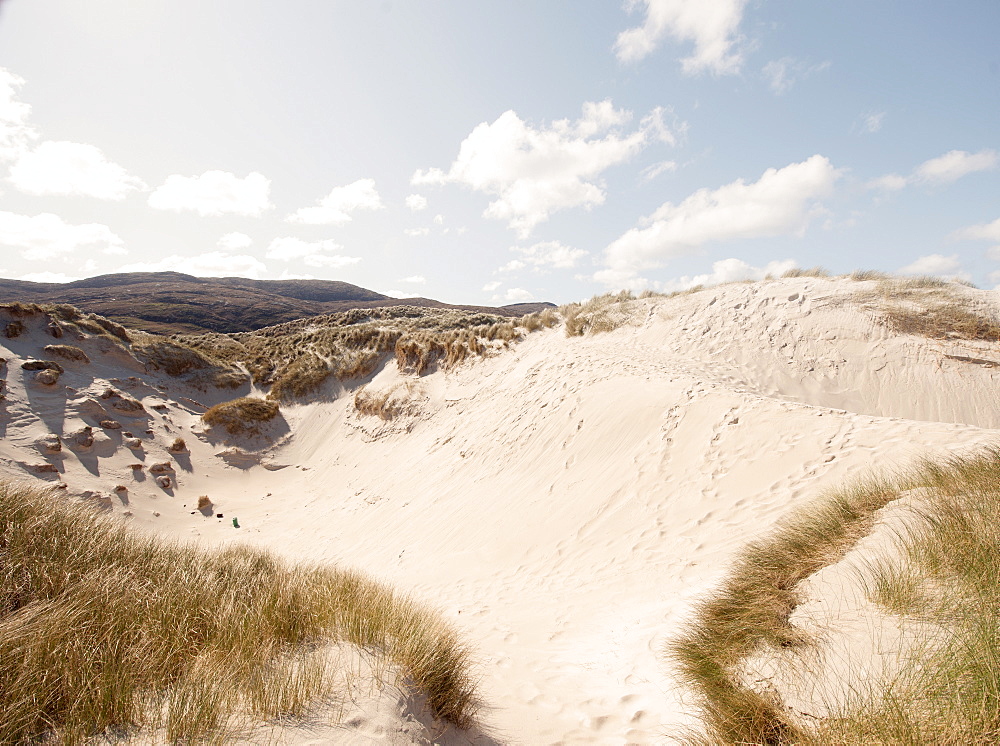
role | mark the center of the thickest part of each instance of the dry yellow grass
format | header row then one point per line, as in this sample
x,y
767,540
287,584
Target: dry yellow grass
x,y
244,416
67,352
948,691
103,629
930,307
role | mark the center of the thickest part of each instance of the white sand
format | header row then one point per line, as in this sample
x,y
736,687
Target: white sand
x,y
563,503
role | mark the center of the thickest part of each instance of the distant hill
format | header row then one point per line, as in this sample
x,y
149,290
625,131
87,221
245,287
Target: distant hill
x,y
172,302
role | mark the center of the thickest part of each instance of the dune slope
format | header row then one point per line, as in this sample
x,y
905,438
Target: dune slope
x,y
565,502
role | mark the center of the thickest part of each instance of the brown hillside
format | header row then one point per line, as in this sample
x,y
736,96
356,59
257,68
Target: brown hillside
x,y
172,302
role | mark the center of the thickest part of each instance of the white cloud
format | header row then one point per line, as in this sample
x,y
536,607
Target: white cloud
x,y
415,279
545,255
517,295
983,231
313,253
944,169
430,177
512,266
955,164
888,183
728,270
663,167
214,193
710,24
234,241
46,236
784,73
416,202
534,172
872,121
48,277
288,248
336,207
416,231
15,132
439,220
72,168
210,264
936,265
489,287
781,202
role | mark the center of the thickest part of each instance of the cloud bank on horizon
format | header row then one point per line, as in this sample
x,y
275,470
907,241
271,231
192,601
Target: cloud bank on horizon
x,y
532,155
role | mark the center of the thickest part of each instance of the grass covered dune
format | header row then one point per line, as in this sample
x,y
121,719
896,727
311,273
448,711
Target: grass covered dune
x,y
102,627
946,576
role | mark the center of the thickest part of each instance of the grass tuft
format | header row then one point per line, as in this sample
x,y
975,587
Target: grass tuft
x,y
243,416
930,307
811,272
103,628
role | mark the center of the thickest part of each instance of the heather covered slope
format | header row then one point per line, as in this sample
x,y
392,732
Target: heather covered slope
x,y
172,302
567,500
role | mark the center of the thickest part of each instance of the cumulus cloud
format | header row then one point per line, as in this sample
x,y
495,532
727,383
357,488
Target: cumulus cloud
x,y
416,231
489,287
728,270
944,169
71,168
47,236
981,232
214,193
209,264
234,241
953,165
313,253
784,73
416,202
936,265
517,295
545,255
781,202
15,131
336,207
535,171
710,24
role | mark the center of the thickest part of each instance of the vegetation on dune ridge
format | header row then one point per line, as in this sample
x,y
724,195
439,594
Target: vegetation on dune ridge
x,y
104,629
931,307
948,690
61,316
296,358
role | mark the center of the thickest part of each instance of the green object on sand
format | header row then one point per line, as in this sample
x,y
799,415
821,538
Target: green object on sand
x,y
236,524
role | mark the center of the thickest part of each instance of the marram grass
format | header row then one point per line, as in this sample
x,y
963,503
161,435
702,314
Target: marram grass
x,y
102,627
948,689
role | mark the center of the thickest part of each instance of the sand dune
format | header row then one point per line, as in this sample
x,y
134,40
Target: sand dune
x,y
564,503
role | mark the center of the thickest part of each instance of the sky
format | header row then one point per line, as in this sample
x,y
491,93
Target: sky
x,y
499,151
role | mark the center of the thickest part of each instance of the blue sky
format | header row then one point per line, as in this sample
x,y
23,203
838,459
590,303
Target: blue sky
x,y
496,152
